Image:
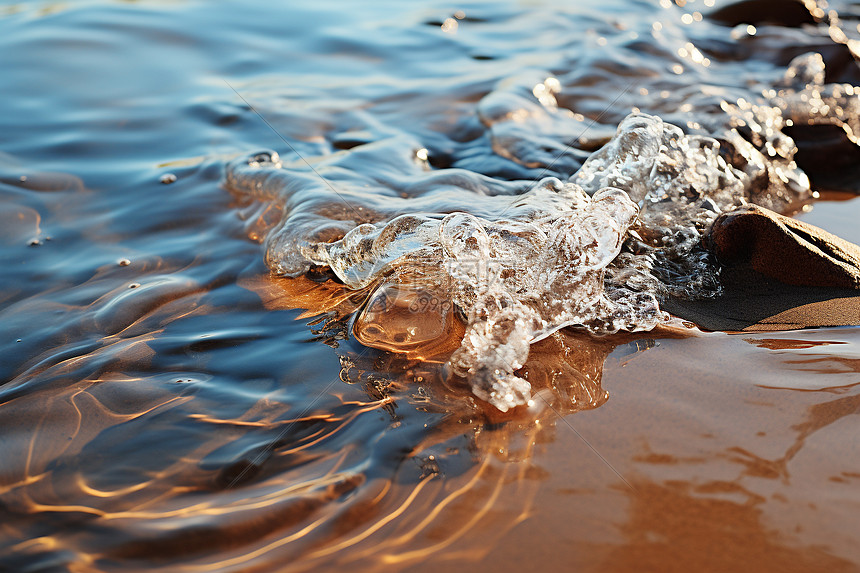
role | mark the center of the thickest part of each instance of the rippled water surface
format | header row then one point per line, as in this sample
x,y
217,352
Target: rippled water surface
x,y
198,374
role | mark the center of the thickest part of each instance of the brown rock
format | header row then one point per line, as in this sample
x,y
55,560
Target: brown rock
x,y
785,249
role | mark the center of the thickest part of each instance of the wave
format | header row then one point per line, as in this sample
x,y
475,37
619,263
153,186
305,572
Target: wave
x,y
594,252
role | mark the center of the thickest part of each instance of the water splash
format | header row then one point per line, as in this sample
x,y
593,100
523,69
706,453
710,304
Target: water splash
x,y
479,265
595,252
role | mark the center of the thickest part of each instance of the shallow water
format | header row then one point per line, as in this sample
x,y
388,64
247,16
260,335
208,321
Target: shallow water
x,y
167,403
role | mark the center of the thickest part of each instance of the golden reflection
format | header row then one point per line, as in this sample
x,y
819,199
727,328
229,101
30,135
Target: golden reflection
x,y
715,524
394,465
416,471
708,527
441,510
788,343
818,363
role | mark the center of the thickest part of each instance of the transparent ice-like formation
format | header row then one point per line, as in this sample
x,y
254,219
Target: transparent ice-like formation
x,y
682,182
516,280
517,261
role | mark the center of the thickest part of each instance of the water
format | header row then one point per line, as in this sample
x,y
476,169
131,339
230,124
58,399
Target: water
x,y
168,403
671,185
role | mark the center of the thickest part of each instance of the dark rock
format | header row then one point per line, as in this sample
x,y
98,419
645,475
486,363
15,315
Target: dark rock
x,y
789,13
